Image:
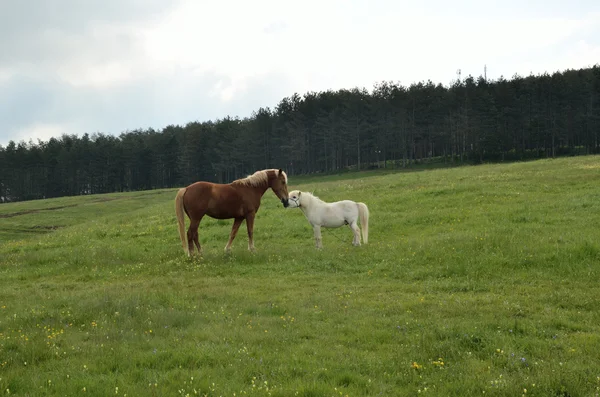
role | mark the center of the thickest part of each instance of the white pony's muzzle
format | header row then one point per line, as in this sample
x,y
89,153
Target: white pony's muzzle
x,y
294,203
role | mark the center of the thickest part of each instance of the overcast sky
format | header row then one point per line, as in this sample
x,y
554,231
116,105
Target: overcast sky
x,y
75,66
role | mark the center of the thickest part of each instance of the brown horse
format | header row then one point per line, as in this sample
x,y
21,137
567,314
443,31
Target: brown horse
x,y
239,200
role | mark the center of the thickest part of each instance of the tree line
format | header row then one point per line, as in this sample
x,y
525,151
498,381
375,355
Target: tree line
x,y
471,120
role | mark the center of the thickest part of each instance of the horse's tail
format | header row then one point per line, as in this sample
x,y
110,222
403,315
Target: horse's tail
x,y
363,212
179,210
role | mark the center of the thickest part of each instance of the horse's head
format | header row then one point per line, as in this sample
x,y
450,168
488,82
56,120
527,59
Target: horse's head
x,y
295,198
279,186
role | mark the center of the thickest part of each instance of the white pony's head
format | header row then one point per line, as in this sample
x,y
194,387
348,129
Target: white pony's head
x,y
294,198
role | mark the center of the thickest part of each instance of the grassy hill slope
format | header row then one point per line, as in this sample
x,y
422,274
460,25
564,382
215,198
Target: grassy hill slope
x,y
475,279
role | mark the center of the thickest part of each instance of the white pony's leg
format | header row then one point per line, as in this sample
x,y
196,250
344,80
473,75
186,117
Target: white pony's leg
x,y
356,231
317,232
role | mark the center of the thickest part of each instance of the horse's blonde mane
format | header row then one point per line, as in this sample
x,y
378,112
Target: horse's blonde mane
x,y
259,178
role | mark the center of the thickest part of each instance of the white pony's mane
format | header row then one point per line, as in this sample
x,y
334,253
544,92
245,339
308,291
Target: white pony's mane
x,y
311,196
259,178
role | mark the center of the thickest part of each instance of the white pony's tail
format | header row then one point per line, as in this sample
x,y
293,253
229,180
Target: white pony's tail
x,y
363,212
179,210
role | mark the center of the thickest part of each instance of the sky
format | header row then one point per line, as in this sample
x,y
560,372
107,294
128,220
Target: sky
x,y
111,66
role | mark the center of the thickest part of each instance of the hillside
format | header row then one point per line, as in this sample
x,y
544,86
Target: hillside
x,y
475,279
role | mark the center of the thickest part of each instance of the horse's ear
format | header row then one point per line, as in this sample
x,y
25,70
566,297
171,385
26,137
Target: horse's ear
x,y
280,171
299,193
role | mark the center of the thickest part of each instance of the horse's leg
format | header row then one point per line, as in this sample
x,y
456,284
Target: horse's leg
x,y
192,235
196,240
250,227
234,229
317,232
356,231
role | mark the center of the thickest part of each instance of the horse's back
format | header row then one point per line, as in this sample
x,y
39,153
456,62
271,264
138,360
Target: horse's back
x,y
210,189
197,196
220,201
346,207
334,214
347,204
198,191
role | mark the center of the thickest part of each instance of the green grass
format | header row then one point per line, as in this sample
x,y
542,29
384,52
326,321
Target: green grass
x,y
477,279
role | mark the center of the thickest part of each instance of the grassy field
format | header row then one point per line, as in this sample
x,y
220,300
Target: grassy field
x,y
478,280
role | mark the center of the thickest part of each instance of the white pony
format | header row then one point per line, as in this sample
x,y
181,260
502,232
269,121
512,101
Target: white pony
x,y
319,213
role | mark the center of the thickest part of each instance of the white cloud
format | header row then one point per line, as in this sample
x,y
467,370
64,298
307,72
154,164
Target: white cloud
x,y
129,65
5,75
